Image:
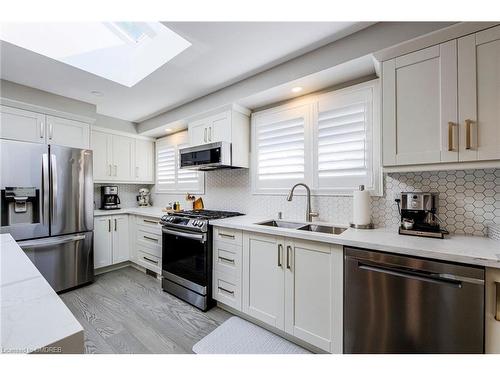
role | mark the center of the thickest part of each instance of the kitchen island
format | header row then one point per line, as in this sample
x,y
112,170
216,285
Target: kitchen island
x,y
33,317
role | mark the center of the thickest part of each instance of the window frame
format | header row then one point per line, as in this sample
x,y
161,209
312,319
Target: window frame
x,y
311,136
176,140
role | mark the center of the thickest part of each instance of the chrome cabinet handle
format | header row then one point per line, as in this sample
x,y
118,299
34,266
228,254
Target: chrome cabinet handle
x,y
109,225
497,309
109,173
150,221
226,259
116,170
136,172
468,123
51,130
41,129
205,136
280,251
450,135
226,290
150,238
150,260
115,225
289,257
227,235
210,134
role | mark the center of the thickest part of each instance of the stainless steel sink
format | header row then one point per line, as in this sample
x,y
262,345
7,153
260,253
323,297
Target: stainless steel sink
x,y
322,229
281,224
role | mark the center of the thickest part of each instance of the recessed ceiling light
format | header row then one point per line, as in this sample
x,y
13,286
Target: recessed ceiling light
x,y
297,89
168,130
96,93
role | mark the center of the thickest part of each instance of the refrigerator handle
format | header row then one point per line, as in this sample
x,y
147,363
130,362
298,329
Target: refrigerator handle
x,y
53,172
45,188
50,241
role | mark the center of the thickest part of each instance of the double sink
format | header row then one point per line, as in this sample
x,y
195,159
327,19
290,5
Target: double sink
x,y
305,227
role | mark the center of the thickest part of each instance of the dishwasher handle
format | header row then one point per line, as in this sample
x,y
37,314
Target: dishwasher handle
x,y
452,281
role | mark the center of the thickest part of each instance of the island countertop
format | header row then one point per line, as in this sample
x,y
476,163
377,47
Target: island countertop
x,y
33,317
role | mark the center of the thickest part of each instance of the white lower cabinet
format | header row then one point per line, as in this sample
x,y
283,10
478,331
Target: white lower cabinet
x,y
492,309
147,243
292,285
111,240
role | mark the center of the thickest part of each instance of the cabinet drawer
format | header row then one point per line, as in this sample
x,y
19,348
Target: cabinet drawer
x,y
232,236
227,289
149,222
227,258
150,243
149,261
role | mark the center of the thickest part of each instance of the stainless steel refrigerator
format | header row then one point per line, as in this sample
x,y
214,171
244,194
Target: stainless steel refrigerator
x,y
47,202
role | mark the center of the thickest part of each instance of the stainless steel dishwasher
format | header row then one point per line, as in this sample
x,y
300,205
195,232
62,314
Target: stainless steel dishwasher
x,y
400,304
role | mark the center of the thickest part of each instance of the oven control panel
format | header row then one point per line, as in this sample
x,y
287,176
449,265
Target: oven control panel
x,y
183,222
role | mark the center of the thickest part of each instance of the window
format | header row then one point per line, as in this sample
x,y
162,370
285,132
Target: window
x,y
169,177
330,142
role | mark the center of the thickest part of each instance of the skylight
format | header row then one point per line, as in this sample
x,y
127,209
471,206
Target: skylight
x,y
123,52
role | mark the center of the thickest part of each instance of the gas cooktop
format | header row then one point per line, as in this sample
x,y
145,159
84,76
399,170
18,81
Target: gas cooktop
x,y
205,214
196,220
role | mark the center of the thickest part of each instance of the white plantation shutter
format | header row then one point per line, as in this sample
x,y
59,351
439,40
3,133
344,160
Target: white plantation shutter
x,y
343,138
330,141
169,177
165,166
280,143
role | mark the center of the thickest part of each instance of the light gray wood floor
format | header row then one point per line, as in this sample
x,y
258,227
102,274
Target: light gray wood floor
x,y
126,311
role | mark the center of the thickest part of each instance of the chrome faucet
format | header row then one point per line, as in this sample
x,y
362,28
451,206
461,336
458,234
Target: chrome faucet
x,y
309,213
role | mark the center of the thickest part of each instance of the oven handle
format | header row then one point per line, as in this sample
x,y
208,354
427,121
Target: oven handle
x,y
193,236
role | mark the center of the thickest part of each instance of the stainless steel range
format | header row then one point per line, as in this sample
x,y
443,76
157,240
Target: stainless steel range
x,y
187,255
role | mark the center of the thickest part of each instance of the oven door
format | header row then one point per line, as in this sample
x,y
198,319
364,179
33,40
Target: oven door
x,y
185,258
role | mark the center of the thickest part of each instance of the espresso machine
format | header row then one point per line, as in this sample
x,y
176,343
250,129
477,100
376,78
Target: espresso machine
x,y
109,198
419,215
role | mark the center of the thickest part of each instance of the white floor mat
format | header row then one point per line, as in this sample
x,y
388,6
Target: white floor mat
x,y
237,336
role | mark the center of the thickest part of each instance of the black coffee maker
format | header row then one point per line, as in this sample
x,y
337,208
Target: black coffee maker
x,y
419,215
109,198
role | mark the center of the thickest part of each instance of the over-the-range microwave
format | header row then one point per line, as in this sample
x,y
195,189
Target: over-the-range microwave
x,y
206,157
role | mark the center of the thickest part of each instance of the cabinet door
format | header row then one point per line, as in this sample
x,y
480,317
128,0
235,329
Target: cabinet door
x,y
479,95
101,146
123,154
313,293
492,307
22,125
69,133
103,244
198,132
220,128
144,156
420,106
263,278
120,238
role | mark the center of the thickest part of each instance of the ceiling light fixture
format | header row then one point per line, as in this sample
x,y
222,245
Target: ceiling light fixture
x,y
168,130
297,89
96,93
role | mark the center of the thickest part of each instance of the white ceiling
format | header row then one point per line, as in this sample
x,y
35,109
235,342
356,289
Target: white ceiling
x,y
221,53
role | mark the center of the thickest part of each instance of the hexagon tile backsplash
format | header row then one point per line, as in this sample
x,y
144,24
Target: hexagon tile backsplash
x,y
469,200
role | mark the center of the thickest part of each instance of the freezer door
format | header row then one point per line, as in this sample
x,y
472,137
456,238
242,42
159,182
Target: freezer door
x,y
64,261
24,167
72,198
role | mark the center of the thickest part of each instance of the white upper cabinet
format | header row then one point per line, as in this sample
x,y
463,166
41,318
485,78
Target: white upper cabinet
x,y
120,158
21,125
65,132
420,107
479,95
441,104
123,153
144,160
228,125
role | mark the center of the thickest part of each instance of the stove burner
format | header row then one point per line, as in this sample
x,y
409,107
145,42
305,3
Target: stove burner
x,y
206,214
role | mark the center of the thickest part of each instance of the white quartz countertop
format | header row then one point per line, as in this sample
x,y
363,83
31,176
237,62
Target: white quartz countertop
x,y
32,314
155,212
455,248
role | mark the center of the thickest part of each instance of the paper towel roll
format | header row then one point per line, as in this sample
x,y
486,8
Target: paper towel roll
x,y
361,207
